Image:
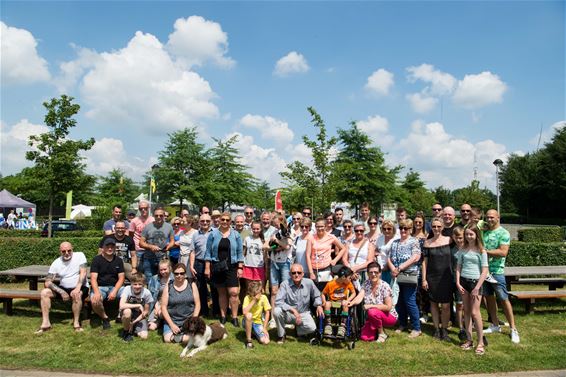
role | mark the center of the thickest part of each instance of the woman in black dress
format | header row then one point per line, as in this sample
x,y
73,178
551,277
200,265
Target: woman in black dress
x,y
437,278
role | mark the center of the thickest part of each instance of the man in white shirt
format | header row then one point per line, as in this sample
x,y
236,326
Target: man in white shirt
x,y
69,270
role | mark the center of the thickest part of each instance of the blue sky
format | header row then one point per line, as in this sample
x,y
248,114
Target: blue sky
x,y
433,83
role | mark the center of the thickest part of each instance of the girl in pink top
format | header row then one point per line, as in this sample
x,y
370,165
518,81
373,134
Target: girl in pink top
x,y
321,259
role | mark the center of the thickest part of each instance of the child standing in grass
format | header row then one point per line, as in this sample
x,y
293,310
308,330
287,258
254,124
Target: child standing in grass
x,y
254,255
256,309
470,274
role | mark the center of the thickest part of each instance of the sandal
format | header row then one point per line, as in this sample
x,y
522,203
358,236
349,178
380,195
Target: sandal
x,y
467,345
41,330
382,338
480,350
78,328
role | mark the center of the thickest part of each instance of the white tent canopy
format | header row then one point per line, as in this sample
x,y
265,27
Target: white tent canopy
x,y
80,211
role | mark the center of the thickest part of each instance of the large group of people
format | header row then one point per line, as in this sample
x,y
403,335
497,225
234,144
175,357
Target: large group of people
x,y
395,272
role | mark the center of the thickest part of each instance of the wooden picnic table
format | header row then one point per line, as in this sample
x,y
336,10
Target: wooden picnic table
x,y
554,275
32,273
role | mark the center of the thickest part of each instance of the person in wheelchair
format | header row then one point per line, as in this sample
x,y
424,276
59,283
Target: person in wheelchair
x,y
337,295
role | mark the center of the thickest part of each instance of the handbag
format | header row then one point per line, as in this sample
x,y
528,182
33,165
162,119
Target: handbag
x,y
404,278
221,266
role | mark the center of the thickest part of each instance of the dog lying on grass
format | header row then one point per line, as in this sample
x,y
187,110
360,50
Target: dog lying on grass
x,y
201,335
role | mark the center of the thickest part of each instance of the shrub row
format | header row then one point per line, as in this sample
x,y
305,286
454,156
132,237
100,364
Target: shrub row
x,y
18,252
513,218
536,254
541,234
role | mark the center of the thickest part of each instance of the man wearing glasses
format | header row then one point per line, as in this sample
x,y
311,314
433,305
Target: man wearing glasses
x,y
136,228
466,214
436,212
196,261
125,248
70,272
157,239
293,304
248,217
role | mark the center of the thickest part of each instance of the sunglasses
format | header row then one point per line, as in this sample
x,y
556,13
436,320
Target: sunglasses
x,y
306,213
305,227
178,273
296,218
66,251
387,229
347,227
177,224
465,211
143,208
296,273
404,228
372,223
249,213
224,220
437,209
359,230
205,221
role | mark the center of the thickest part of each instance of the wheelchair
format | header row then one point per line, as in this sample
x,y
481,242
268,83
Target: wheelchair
x,y
353,327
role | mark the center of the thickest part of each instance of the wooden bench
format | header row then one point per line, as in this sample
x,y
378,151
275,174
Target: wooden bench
x,y
553,283
530,296
7,295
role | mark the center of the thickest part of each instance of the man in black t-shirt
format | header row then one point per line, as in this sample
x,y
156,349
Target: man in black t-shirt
x,y
106,278
125,248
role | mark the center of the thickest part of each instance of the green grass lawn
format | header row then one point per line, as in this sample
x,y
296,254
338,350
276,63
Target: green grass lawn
x,y
543,341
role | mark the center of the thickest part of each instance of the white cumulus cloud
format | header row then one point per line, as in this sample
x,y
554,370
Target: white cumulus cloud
x,y
140,87
377,128
196,41
546,135
380,82
14,145
264,163
440,83
270,128
421,103
291,63
443,159
21,63
108,154
479,90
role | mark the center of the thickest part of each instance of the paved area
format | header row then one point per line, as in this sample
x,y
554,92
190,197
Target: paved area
x,y
37,373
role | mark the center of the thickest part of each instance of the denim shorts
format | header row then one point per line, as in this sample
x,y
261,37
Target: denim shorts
x,y
105,291
499,288
279,272
257,329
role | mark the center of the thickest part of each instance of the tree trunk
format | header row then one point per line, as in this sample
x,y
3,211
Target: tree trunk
x,y
50,216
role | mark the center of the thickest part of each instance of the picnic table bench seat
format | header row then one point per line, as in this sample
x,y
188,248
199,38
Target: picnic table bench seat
x,y
7,296
531,296
553,282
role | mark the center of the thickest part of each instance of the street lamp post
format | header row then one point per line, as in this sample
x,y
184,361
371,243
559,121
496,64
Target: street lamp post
x,y
498,163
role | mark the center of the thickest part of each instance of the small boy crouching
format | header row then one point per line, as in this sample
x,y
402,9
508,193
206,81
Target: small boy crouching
x,y
337,294
134,309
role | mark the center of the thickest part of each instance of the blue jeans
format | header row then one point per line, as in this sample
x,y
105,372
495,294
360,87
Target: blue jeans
x,y
279,272
150,267
407,305
202,287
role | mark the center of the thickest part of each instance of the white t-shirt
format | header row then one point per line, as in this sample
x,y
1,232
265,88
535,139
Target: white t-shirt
x,y
68,271
383,250
143,298
254,252
362,255
186,242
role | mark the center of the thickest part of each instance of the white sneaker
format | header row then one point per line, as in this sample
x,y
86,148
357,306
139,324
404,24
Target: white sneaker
x,y
272,324
515,336
492,329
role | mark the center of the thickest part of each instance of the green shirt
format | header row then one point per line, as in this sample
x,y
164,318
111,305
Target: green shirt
x,y
492,239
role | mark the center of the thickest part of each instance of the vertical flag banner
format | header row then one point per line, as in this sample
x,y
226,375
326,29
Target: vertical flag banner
x,y
278,201
68,208
153,185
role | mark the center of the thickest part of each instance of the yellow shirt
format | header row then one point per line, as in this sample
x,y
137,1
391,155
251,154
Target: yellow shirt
x,y
258,309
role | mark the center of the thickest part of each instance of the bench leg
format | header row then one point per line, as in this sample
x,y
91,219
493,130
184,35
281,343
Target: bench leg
x,y
529,305
7,306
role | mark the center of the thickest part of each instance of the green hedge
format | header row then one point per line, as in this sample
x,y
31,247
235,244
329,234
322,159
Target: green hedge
x,y
541,234
18,252
19,233
536,254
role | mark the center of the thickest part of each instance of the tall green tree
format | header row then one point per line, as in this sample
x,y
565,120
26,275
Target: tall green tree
x,y
314,181
231,182
414,196
184,168
57,158
475,196
262,196
359,172
117,188
444,196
